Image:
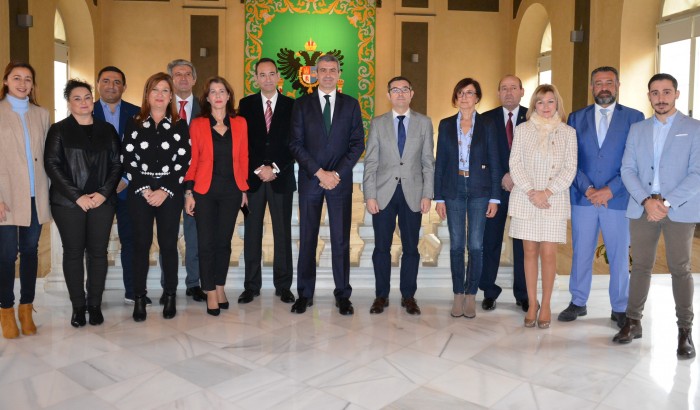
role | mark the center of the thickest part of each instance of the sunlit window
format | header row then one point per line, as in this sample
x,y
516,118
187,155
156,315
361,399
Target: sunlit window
x,y
544,61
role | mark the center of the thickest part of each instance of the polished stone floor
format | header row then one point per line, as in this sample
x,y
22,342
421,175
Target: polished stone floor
x,y
260,356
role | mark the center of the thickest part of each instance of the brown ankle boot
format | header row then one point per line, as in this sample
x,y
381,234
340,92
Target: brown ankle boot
x,y
25,319
9,323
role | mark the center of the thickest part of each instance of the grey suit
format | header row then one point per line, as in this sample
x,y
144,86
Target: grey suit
x,y
679,181
398,183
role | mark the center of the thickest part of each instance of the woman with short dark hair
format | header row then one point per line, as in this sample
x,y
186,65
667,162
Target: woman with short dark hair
x,y
82,160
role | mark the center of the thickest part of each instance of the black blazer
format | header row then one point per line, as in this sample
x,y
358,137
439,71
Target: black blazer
x,y
484,169
70,157
314,148
499,121
265,148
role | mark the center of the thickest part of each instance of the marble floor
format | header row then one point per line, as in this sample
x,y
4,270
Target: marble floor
x,y
260,356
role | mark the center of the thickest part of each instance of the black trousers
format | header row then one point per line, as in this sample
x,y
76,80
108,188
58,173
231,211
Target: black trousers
x,y
167,218
215,213
85,235
281,215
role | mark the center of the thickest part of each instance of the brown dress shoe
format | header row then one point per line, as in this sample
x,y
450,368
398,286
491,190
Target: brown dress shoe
x,y
686,349
411,306
378,305
630,331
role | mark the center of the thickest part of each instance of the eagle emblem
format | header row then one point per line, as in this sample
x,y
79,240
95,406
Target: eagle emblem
x,y
303,76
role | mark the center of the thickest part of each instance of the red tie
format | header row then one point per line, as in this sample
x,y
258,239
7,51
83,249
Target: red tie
x,y
509,130
183,113
268,115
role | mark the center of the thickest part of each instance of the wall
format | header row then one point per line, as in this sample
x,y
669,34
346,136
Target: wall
x,y
4,34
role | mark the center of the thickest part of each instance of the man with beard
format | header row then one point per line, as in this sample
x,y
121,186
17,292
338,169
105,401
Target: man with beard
x,y
598,196
661,170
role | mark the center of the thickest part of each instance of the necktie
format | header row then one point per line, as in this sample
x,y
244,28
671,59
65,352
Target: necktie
x,y
268,115
183,113
602,126
402,134
327,113
509,130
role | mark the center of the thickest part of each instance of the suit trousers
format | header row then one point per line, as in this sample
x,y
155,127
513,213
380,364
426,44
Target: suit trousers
x,y
189,230
281,215
678,238
384,224
85,236
586,222
493,244
25,240
339,207
126,240
216,213
167,219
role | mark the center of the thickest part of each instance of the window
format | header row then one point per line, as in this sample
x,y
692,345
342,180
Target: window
x,y
544,61
60,68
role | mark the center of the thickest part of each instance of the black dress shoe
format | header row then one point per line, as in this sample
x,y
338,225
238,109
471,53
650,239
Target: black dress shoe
x,y
214,312
77,319
686,349
411,306
344,306
223,305
572,312
197,294
378,305
169,310
285,295
96,317
488,304
301,304
247,296
619,318
630,331
524,304
139,309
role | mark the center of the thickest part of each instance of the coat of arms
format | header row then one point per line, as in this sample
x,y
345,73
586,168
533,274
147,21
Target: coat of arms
x,y
303,76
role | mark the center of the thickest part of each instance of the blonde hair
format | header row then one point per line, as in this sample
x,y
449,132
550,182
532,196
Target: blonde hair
x,y
540,91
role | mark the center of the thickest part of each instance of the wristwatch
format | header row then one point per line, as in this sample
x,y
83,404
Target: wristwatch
x,y
645,200
666,203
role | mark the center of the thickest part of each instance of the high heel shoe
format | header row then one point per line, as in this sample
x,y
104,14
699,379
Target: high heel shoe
x,y
223,305
544,324
213,312
531,322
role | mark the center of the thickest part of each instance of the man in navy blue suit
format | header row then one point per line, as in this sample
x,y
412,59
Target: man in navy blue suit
x,y
506,117
111,84
327,139
598,196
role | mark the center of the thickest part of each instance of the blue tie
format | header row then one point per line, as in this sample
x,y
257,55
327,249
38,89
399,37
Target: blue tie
x,y
402,134
602,126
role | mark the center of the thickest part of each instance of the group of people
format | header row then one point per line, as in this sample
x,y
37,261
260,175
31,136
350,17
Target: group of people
x,y
608,170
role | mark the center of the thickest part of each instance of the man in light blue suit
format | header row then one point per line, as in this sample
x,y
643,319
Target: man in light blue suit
x,y
661,170
598,197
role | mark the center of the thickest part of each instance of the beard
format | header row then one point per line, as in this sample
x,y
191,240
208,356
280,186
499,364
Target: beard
x,y
604,98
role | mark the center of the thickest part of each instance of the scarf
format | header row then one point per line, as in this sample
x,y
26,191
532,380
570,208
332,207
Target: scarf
x,y
545,127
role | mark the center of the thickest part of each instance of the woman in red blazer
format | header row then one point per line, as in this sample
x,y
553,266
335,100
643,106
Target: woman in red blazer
x,y
216,184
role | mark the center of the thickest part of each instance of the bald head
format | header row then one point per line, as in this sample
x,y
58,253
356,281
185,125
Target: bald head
x,y
510,92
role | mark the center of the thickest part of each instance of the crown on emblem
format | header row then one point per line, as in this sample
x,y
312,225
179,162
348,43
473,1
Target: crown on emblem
x,y
310,45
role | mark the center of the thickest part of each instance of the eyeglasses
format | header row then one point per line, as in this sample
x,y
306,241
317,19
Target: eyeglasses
x,y
403,90
468,93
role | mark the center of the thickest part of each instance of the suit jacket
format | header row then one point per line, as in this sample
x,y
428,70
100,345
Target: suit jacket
x,y
600,166
679,168
484,168
316,149
384,167
496,115
14,172
202,165
265,148
530,171
196,109
126,112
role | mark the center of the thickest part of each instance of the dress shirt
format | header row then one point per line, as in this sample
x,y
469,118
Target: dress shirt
x,y
112,117
660,134
188,106
407,115
323,101
515,112
273,103
599,116
464,141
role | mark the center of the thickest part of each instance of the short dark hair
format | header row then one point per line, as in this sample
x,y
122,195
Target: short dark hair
x,y
606,69
329,58
663,76
72,84
398,78
463,83
178,62
265,60
112,69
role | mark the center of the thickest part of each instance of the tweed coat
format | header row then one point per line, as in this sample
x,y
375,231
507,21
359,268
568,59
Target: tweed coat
x,y
14,173
555,171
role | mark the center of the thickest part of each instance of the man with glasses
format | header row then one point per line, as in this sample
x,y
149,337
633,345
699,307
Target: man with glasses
x,y
398,181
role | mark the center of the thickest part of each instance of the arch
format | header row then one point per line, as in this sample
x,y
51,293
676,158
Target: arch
x,y
678,6
80,34
530,32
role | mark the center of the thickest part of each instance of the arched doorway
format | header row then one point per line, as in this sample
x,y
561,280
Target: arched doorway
x,y
528,46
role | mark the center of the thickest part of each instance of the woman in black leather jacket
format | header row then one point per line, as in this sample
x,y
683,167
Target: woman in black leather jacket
x,y
81,158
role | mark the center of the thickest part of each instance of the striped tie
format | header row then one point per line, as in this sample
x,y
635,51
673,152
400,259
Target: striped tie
x,y
268,115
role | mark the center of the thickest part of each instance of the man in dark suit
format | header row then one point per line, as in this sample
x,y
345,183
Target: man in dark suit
x,y
184,78
270,180
506,118
327,140
111,84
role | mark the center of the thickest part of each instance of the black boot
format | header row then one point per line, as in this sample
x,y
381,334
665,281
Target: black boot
x,y
169,306
96,317
686,349
140,308
78,317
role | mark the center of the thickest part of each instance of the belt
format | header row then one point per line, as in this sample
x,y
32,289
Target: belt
x,y
657,196
463,173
